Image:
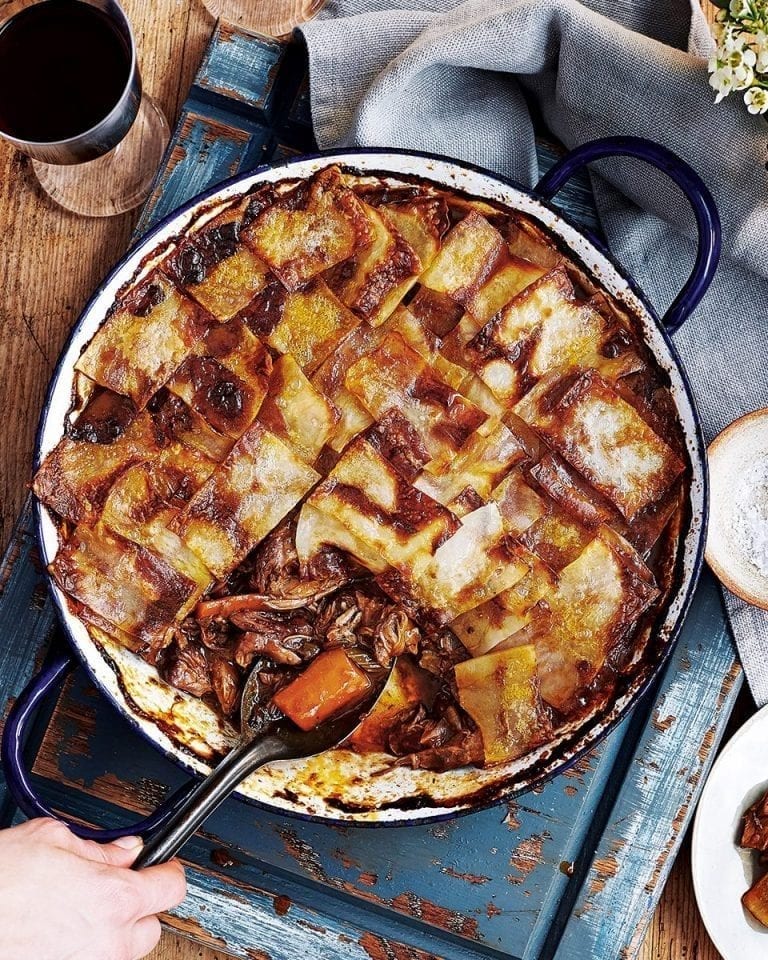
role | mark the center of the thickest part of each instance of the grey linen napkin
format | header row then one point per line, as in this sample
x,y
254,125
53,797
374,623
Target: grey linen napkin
x,y
459,79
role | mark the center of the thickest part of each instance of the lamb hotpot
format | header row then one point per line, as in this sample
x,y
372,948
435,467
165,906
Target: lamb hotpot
x,y
338,786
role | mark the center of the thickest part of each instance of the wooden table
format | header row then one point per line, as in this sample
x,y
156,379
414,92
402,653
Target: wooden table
x,y
49,263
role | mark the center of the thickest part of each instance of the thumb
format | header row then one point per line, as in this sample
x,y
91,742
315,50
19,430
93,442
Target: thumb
x,y
120,853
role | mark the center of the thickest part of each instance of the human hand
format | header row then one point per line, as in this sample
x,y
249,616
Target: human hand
x,y
63,898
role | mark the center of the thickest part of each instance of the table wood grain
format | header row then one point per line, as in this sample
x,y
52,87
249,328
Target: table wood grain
x,y
50,260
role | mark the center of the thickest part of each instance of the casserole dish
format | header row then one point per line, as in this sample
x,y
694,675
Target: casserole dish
x,y
339,787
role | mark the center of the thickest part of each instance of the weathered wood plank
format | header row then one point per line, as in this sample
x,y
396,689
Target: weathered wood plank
x,y
414,925
244,69
26,625
206,149
436,875
658,794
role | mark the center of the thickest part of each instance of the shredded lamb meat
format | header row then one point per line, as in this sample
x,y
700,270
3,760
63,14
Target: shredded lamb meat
x,y
270,619
755,832
187,668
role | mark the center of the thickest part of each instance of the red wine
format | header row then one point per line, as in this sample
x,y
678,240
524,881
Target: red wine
x,y
63,67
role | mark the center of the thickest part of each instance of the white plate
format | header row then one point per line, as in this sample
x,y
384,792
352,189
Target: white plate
x,y
722,871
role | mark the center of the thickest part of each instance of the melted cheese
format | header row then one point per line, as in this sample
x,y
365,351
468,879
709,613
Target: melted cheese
x,y
76,476
597,596
221,273
246,497
313,322
507,280
490,624
470,567
421,222
134,353
369,498
500,692
149,496
329,380
192,431
374,281
606,440
519,505
316,530
126,584
468,255
317,225
296,412
395,376
480,463
225,379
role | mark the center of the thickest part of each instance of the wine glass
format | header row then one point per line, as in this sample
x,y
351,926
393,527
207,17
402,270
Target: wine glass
x,y
71,99
272,18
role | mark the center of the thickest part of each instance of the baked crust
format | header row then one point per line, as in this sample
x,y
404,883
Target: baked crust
x,y
385,416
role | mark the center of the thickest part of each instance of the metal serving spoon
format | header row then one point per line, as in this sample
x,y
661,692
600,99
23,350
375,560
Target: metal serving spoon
x,y
281,740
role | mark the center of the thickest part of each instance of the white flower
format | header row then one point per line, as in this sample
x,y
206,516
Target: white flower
x,y
743,78
730,39
722,81
739,9
760,46
744,58
756,100
740,61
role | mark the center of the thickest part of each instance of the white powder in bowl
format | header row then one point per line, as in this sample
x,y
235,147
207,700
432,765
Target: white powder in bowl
x,y
750,514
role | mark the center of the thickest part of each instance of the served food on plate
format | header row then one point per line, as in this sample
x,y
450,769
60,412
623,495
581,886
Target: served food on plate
x,y
355,418
754,836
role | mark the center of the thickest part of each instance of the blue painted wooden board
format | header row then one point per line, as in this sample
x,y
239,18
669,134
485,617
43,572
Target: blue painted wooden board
x,y
572,871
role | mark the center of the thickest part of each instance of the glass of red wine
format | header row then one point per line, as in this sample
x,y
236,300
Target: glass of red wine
x,y
71,99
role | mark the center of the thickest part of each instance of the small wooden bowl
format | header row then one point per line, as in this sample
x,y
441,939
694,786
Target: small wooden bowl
x,y
738,469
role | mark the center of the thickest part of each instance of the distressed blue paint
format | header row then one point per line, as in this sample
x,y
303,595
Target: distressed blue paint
x,y
424,860
206,148
659,792
26,621
493,879
242,68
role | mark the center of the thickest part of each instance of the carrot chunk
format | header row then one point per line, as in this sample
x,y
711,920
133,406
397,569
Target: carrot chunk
x,y
226,606
331,684
756,900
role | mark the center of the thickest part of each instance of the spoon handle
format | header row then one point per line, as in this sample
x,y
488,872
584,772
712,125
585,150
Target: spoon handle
x,y
207,797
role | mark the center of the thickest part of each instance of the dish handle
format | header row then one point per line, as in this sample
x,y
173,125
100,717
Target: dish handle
x,y
707,218
19,721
